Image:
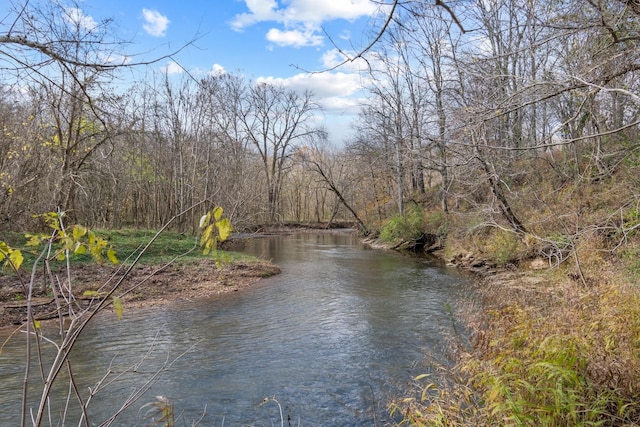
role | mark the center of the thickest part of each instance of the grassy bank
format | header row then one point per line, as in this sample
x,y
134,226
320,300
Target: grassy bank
x,y
169,245
172,268
556,324
545,352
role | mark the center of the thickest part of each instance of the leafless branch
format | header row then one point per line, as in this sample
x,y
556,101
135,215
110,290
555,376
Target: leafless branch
x,y
360,55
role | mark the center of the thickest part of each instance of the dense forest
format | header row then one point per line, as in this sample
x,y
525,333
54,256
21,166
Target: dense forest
x,y
508,129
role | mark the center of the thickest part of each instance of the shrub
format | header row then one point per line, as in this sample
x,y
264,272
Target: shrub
x,y
503,247
435,222
408,226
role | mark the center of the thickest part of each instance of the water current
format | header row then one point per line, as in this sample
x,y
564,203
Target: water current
x,y
341,331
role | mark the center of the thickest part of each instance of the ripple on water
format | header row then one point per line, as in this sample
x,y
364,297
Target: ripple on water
x,y
331,338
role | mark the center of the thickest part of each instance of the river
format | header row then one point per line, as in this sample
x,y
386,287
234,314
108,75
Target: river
x,y
338,333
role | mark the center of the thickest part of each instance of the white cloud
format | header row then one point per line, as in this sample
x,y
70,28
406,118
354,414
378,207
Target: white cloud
x,y
319,11
77,17
332,90
295,38
259,10
155,23
303,11
302,20
339,94
217,70
340,104
334,58
172,67
483,45
345,35
114,58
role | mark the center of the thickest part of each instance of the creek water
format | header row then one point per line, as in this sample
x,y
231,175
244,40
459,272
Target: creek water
x,y
335,336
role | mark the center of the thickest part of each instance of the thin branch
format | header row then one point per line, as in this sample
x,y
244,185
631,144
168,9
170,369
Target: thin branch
x,y
359,55
46,50
451,13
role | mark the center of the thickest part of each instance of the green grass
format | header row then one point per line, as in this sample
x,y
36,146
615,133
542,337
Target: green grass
x,y
167,245
127,242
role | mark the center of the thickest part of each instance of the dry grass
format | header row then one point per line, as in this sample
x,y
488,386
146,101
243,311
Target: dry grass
x,y
545,353
552,347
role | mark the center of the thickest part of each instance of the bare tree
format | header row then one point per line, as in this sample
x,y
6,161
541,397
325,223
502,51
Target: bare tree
x,y
233,168
56,53
274,120
334,171
431,40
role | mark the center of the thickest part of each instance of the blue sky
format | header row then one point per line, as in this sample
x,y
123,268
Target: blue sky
x,y
266,40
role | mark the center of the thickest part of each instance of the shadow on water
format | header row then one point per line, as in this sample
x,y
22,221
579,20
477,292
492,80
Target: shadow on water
x,y
337,334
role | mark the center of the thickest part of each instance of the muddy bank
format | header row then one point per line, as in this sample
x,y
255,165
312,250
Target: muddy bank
x,y
145,285
149,285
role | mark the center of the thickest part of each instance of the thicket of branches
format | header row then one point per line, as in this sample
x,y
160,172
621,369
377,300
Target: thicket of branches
x,y
74,138
151,152
467,101
505,107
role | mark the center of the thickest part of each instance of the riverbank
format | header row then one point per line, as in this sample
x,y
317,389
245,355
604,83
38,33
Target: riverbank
x,y
550,345
145,285
151,283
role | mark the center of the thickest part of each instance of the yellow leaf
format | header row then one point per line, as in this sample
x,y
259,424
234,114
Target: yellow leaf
x,y
111,254
217,213
16,258
206,235
493,394
80,249
224,229
117,307
32,239
78,232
